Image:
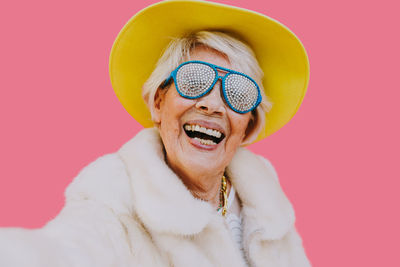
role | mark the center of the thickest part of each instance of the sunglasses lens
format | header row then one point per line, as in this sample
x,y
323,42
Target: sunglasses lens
x,y
194,79
241,92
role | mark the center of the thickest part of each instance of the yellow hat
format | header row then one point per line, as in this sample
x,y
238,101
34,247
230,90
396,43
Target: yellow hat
x,y
142,40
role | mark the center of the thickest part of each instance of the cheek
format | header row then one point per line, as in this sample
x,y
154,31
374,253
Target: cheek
x,y
239,123
172,111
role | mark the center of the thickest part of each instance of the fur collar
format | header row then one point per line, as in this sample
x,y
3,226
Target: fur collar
x,y
164,204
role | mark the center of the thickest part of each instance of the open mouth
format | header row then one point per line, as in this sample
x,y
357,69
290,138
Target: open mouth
x,y
205,136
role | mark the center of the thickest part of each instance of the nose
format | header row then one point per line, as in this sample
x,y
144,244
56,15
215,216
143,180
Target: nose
x,y
212,103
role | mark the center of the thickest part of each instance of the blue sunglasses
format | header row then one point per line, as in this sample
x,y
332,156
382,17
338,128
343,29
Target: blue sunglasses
x,y
194,79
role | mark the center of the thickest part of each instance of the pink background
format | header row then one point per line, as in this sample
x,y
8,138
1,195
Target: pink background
x,y
337,159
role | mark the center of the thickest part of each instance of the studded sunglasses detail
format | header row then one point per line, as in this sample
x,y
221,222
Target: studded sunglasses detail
x,y
194,79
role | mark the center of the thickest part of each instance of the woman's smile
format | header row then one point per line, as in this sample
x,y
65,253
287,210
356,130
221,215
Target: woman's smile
x,y
204,134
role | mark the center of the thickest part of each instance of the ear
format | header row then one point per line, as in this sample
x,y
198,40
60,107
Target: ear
x,y
157,104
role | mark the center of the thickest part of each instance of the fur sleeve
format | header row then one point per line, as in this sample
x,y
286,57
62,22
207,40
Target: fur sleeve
x,y
87,231
294,250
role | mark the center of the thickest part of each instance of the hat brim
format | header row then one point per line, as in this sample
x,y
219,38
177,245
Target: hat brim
x,y
143,39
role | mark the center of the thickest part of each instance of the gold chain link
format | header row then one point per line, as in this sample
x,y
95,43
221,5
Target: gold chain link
x,y
224,195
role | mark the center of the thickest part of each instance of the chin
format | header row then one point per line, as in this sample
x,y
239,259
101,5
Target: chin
x,y
203,166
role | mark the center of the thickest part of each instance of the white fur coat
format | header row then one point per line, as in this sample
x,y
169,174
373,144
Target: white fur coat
x,y
130,209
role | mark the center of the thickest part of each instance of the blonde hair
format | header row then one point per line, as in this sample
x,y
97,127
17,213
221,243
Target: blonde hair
x,y
240,56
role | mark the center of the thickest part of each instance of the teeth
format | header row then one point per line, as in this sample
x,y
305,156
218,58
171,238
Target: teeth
x,y
205,142
204,130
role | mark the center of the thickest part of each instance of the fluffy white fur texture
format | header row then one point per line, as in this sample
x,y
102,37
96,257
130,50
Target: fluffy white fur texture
x,y
130,209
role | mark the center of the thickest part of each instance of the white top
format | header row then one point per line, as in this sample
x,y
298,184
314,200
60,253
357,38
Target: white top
x,y
233,220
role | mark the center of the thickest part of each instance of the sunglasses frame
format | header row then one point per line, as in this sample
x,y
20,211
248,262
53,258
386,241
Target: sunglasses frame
x,y
217,77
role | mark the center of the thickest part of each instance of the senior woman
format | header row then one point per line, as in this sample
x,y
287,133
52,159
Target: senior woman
x,y
185,192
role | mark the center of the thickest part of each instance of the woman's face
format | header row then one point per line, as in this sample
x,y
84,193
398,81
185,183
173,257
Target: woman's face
x,y
199,135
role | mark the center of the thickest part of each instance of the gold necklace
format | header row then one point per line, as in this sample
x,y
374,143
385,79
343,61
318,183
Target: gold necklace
x,y
223,200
